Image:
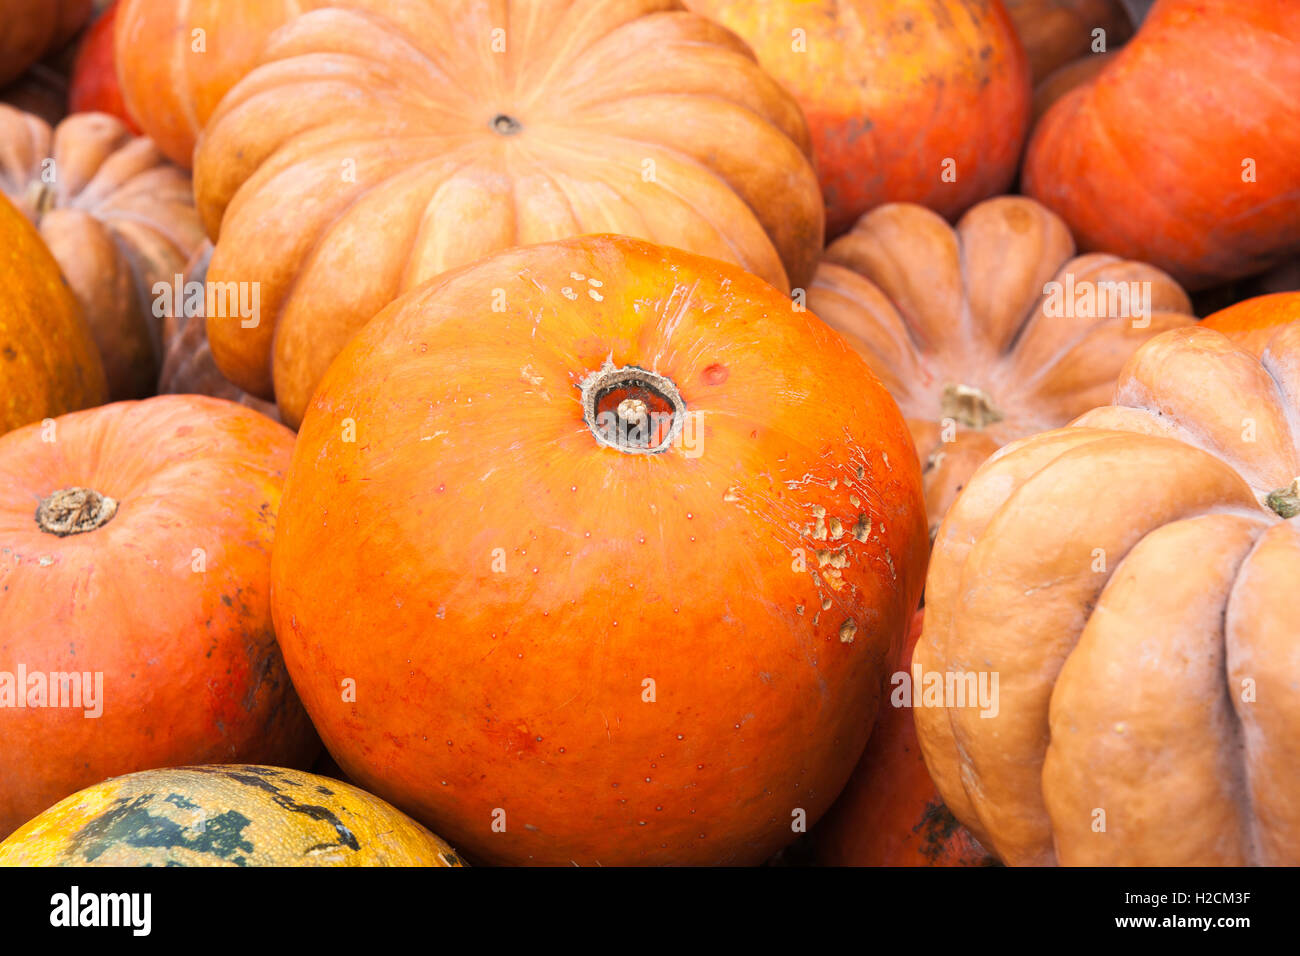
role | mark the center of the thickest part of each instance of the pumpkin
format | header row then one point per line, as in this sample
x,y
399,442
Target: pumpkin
x,y
175,61
48,360
1057,32
366,156
1074,74
617,568
889,813
921,101
188,367
118,218
235,815
95,88
134,556
1184,151
1130,580
990,331
29,29
1251,324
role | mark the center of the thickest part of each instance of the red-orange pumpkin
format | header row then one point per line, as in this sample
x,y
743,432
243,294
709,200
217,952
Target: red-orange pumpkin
x,y
135,548
1184,151
95,88
176,60
31,28
1251,324
367,155
921,101
574,631
890,813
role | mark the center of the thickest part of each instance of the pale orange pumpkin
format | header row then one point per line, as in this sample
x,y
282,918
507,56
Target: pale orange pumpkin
x,y
990,331
1131,579
118,218
368,155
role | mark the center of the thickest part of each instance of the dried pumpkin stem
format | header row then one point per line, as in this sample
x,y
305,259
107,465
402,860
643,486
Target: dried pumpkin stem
x,y
631,409
507,125
969,406
74,511
1285,501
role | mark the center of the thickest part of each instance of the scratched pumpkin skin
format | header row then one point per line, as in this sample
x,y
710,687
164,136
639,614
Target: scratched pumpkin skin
x,y
500,616
236,815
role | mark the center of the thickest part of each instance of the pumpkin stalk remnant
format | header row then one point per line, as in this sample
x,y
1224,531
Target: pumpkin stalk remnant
x,y
632,410
1285,501
70,511
969,406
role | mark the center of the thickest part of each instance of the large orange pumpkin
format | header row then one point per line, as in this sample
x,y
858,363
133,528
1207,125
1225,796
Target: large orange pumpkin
x,y
176,60
921,101
890,813
366,155
1184,151
990,331
1057,32
134,555
621,549
1253,323
48,360
1131,579
31,28
118,217
224,816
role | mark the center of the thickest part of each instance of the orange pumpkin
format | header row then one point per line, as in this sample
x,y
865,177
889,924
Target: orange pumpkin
x,y
31,28
617,568
921,101
188,367
1057,32
1131,581
1074,74
1251,324
176,60
134,556
990,331
48,360
366,156
118,218
890,813
1184,151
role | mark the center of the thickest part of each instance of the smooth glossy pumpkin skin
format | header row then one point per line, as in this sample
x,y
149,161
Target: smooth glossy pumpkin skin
x,y
31,28
95,88
49,364
172,79
756,580
1057,32
235,815
890,813
1132,583
960,326
118,218
188,367
1254,322
1147,160
365,157
892,91
168,599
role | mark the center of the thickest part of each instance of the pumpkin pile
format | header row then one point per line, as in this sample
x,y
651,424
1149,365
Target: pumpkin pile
x,y
649,432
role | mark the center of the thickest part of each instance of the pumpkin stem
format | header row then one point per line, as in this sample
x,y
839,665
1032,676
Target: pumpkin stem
x,y
74,511
631,409
1285,501
507,125
40,199
969,406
